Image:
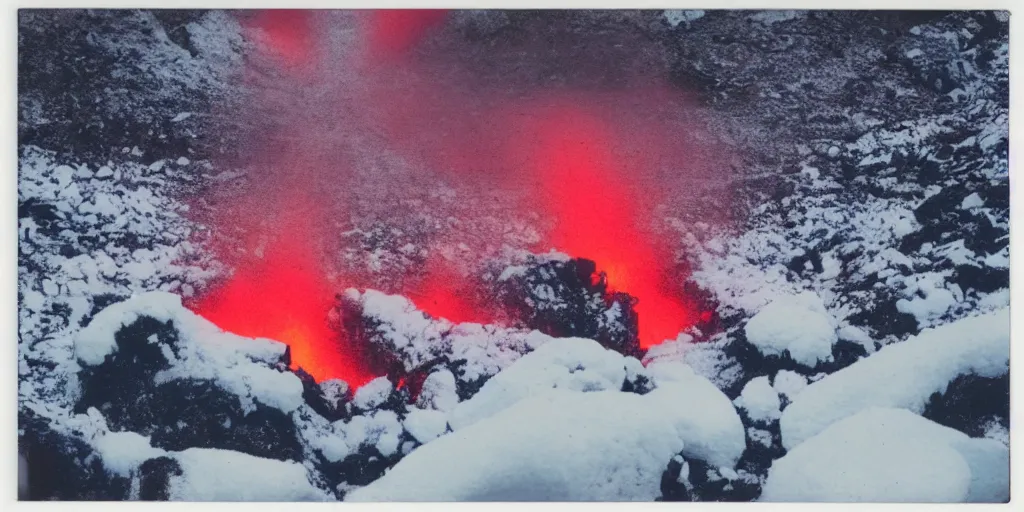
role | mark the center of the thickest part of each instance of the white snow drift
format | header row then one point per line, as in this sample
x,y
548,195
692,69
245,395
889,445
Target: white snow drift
x,y
223,475
902,375
557,446
891,455
713,431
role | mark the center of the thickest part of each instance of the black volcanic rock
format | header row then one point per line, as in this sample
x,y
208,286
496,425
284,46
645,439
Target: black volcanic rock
x,y
61,466
570,298
180,413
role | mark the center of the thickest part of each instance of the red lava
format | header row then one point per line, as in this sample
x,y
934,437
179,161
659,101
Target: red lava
x,y
594,163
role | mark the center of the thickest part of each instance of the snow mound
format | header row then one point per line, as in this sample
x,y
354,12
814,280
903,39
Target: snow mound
x,y
797,324
425,425
789,384
372,394
891,455
122,452
380,429
760,400
224,475
575,364
239,365
600,446
713,431
903,375
438,392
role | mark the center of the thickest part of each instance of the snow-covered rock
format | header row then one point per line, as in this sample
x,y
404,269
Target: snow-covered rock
x,y
789,384
903,375
574,364
438,392
224,475
713,430
759,400
201,350
373,393
123,452
798,325
551,456
425,425
890,455
402,333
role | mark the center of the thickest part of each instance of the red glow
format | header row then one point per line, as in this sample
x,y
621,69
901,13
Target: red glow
x,y
591,162
393,32
285,297
585,159
444,293
601,217
288,33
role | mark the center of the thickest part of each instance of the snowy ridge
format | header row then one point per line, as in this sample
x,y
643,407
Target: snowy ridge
x,y
903,375
885,454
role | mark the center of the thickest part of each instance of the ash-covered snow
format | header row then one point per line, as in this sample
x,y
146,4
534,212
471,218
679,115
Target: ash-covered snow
x,y
902,375
891,455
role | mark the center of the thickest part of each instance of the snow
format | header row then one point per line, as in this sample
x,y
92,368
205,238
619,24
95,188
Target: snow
x,y
797,324
713,430
759,400
902,375
576,364
380,429
760,436
551,457
916,52
96,341
891,455
224,475
236,364
373,393
416,339
931,299
425,425
122,452
972,201
789,384
438,392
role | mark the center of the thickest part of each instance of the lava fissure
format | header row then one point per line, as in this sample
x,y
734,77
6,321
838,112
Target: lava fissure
x,y
375,109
